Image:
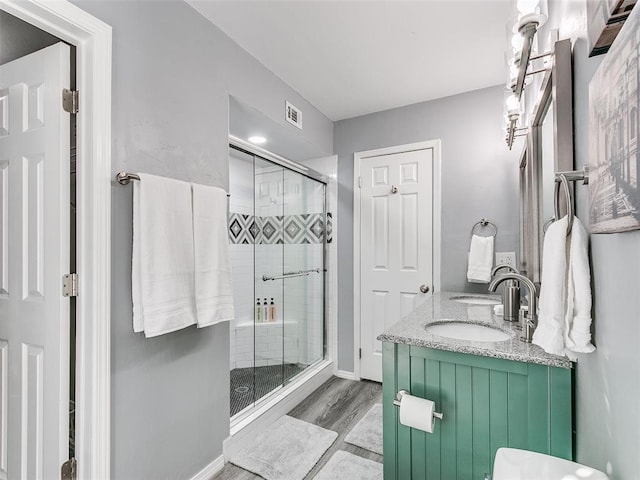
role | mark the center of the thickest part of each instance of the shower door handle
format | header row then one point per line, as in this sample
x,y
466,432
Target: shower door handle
x,y
424,288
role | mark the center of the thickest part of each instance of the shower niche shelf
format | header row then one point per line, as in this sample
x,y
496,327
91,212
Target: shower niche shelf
x,y
247,323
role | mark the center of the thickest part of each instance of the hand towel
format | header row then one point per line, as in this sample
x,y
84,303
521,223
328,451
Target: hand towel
x,y
577,325
549,333
213,290
162,272
480,259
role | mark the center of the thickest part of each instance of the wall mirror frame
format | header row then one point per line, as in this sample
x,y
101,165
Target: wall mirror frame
x,y
542,156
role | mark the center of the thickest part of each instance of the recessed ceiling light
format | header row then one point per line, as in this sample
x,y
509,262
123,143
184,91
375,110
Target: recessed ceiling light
x,y
257,139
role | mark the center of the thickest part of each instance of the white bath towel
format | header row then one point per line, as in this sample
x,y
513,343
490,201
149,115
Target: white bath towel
x,y
162,262
480,259
577,325
214,294
549,333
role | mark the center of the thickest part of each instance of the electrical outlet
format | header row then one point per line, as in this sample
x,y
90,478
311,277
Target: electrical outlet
x,y
506,258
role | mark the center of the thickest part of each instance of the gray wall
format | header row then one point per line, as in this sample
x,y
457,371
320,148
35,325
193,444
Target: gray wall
x,y
607,381
479,179
172,74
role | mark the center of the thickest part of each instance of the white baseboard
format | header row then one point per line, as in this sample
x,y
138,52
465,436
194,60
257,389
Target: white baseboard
x,y
346,375
210,470
275,407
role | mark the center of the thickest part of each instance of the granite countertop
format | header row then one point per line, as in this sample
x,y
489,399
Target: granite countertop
x,y
410,331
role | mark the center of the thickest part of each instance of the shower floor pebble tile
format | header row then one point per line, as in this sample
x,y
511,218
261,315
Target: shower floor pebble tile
x,y
267,378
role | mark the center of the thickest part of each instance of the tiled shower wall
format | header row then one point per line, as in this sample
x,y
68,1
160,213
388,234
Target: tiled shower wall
x,y
284,234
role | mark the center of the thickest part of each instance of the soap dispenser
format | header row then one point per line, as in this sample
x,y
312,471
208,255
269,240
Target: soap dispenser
x,y
510,295
272,311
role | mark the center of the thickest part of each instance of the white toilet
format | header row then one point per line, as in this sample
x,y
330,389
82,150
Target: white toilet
x,y
514,464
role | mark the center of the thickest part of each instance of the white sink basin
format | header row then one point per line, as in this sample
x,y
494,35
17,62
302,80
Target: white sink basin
x,y
475,300
467,331
514,464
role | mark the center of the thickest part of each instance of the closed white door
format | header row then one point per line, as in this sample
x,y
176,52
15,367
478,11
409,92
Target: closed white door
x,y
34,243
396,245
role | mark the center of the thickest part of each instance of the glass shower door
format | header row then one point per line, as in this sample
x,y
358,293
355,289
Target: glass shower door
x,y
303,259
268,208
277,235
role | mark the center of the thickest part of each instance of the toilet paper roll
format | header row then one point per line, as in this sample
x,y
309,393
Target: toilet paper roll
x,y
416,412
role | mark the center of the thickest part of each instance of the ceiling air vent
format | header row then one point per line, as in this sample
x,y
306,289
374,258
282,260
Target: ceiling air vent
x,y
294,115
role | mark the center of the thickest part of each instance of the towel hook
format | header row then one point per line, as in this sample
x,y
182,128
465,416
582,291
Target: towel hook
x,y
561,178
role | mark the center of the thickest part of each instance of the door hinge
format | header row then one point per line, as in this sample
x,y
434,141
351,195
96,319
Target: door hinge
x,y
359,182
70,100
70,285
359,353
69,470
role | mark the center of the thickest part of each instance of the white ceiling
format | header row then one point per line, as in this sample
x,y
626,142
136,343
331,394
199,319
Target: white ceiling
x,y
350,58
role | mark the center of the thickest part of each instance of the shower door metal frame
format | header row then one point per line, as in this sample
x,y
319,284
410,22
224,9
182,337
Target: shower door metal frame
x,y
251,149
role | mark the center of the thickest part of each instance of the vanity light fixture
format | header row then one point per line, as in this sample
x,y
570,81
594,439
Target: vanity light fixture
x,y
530,17
513,113
257,139
513,73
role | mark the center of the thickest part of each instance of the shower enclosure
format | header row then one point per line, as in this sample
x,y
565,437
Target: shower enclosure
x,y
277,248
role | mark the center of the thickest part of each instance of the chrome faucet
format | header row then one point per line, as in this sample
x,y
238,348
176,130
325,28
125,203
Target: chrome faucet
x,y
530,318
497,268
510,295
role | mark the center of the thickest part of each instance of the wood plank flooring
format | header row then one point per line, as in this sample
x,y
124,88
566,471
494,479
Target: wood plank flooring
x,y
336,405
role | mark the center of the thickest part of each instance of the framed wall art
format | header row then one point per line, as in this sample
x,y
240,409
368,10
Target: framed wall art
x,y
606,18
614,159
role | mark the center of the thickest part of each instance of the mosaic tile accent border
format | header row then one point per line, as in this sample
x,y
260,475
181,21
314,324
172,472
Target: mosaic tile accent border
x,y
288,229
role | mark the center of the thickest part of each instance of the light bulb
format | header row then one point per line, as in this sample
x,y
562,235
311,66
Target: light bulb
x,y
257,139
517,41
513,69
513,104
527,6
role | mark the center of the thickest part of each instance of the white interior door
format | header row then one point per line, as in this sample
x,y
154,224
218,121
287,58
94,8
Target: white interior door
x,y
396,245
34,243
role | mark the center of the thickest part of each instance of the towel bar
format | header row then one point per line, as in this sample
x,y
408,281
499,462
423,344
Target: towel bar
x,y
563,179
301,273
123,178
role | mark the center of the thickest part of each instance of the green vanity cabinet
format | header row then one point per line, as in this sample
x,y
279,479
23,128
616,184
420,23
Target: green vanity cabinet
x,y
487,403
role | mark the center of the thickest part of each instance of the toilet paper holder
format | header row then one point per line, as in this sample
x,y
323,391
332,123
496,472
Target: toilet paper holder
x,y
399,395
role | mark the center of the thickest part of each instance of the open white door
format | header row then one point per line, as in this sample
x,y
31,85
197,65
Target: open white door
x,y
396,245
34,254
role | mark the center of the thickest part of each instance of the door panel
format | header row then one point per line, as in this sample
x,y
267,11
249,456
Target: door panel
x,y
32,223
4,397
32,415
4,225
34,331
409,232
379,300
408,302
395,245
380,222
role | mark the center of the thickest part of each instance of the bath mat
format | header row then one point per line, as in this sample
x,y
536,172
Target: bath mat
x,y
367,433
287,451
346,466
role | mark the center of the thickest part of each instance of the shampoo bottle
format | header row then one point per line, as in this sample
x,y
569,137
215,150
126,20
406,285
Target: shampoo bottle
x,y
265,310
272,311
258,311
